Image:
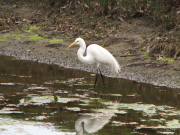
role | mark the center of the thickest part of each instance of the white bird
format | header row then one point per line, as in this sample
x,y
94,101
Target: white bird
x,y
91,123
96,54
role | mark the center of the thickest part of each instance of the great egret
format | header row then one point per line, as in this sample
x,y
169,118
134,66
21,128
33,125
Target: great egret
x,y
91,123
96,54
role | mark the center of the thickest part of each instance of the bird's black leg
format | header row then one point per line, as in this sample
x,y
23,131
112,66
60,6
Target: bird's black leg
x,y
96,79
102,78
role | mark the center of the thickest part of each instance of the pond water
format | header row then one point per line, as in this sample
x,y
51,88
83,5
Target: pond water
x,y
37,98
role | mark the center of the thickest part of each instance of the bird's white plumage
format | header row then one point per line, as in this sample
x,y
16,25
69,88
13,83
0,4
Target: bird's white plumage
x,y
91,123
95,54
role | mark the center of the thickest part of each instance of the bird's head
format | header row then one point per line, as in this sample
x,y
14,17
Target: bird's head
x,y
78,41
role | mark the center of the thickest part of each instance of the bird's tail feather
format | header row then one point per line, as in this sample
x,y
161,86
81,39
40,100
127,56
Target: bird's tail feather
x,y
116,67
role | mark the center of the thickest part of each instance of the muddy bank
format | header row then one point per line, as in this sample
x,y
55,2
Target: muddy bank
x,y
124,38
135,64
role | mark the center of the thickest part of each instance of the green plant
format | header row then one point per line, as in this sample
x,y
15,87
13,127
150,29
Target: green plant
x,y
17,35
3,38
96,35
53,41
35,37
169,60
146,56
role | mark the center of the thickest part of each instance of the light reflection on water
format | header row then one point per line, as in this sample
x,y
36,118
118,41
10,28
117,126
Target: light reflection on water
x,y
31,91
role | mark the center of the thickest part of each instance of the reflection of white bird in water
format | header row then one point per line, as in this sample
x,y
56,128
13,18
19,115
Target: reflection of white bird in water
x,y
91,123
96,54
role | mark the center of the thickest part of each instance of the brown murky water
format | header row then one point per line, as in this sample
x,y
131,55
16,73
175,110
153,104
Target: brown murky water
x,y
37,98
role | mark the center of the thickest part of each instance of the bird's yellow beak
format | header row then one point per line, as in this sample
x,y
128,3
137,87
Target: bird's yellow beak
x,y
72,44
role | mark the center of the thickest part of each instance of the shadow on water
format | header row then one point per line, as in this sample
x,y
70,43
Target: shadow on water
x,y
64,99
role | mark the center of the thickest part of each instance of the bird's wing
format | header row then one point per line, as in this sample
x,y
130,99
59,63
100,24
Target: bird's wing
x,y
103,56
100,54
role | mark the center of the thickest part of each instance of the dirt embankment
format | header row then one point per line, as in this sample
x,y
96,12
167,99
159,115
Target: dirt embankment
x,y
126,44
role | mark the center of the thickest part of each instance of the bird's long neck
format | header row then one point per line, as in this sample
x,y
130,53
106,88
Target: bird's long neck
x,y
81,50
88,59
79,127
80,54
